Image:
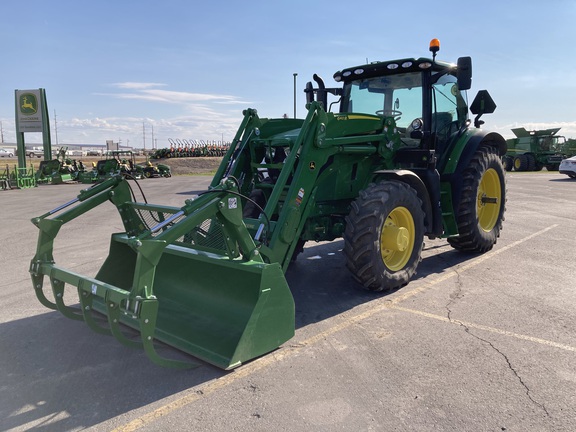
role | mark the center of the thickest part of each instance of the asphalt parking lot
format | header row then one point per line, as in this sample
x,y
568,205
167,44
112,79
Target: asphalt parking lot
x,y
473,343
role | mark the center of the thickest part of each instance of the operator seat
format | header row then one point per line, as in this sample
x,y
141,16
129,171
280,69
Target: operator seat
x,y
442,123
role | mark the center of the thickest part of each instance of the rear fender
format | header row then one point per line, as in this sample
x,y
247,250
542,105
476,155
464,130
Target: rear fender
x,y
453,165
465,147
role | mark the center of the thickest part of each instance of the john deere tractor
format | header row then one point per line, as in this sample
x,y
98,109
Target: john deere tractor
x,y
395,158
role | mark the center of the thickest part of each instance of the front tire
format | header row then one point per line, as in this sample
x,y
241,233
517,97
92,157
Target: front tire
x,y
384,235
553,167
483,202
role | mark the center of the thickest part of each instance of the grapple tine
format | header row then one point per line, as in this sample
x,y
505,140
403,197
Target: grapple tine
x,y
67,311
86,307
113,313
38,282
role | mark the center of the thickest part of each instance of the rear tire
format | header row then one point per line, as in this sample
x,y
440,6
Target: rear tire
x,y
521,163
384,235
483,202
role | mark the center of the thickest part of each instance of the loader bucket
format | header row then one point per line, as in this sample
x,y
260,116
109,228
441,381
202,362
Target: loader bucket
x,y
223,312
191,277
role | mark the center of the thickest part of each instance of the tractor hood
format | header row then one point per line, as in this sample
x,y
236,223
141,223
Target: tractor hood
x,y
337,125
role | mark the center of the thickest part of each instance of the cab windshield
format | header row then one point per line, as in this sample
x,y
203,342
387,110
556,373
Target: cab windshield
x,y
398,96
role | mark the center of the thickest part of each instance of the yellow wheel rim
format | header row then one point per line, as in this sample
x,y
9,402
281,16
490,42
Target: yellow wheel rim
x,y
517,163
489,200
397,238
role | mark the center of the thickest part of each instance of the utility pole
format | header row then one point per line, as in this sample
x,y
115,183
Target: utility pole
x,y
1,133
152,126
144,134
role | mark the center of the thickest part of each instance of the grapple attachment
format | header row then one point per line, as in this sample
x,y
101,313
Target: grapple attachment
x,y
191,277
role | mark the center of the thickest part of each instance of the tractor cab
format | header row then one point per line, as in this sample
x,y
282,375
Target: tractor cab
x,y
426,98
421,95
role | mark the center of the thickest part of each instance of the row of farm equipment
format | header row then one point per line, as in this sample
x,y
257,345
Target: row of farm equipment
x,y
123,162
63,169
186,148
20,178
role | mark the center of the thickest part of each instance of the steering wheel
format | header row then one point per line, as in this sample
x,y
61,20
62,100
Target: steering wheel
x,y
389,113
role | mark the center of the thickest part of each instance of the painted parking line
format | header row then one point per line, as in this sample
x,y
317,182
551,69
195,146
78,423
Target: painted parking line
x,y
346,319
487,328
450,273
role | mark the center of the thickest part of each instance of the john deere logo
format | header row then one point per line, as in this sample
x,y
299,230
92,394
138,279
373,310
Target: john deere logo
x,y
28,104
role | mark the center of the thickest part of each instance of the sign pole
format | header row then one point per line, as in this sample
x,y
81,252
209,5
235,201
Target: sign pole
x,y
20,143
46,127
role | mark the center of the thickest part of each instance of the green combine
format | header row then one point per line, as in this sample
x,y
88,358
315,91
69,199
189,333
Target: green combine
x,y
534,150
399,161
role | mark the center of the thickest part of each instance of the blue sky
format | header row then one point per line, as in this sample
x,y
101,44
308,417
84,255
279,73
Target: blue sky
x,y
116,70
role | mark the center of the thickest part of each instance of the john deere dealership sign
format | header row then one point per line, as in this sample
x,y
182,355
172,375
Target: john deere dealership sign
x,y
29,110
31,116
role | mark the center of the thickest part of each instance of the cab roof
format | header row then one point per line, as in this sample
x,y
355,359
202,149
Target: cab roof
x,y
391,67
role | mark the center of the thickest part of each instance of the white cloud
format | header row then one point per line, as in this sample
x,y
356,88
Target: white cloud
x,y
148,92
137,85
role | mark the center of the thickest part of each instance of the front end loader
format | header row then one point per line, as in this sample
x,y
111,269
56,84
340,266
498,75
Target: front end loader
x,y
399,161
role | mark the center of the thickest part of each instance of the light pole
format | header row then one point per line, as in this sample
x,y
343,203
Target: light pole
x,y
295,75
56,126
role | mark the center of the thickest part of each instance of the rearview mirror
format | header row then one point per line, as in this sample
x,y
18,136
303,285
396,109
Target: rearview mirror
x,y
464,73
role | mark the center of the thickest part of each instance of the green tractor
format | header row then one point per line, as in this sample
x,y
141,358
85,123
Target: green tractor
x,y
59,170
160,153
534,150
127,166
398,161
149,170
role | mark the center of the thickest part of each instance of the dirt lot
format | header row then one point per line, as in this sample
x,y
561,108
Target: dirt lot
x,y
187,166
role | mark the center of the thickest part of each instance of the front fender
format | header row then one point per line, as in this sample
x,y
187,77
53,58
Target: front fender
x,y
414,181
